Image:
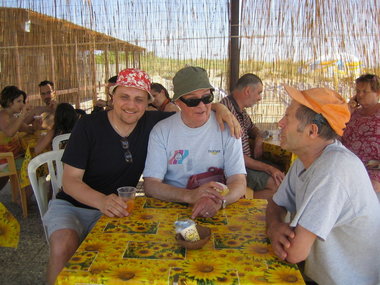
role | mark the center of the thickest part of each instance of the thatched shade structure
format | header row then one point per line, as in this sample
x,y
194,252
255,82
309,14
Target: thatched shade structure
x,y
36,47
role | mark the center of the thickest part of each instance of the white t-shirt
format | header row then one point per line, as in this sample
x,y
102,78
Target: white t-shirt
x,y
175,151
334,199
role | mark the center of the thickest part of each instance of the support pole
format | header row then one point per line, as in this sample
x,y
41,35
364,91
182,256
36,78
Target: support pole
x,y
234,47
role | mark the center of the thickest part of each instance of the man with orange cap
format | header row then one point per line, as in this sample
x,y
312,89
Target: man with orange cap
x,y
335,212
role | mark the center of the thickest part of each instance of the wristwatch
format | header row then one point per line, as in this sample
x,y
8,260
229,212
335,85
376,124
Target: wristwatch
x,y
224,204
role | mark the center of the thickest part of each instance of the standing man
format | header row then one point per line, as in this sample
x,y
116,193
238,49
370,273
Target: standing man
x,y
189,143
48,96
106,150
336,215
263,178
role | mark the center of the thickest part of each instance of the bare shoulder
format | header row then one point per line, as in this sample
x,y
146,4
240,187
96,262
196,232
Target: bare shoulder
x,y
171,107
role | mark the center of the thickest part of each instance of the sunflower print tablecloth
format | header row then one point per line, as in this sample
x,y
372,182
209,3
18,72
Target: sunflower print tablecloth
x,y
273,152
9,228
141,249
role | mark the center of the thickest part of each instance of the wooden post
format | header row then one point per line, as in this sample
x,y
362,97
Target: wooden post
x,y
52,59
18,63
126,58
117,59
77,99
94,95
234,47
106,63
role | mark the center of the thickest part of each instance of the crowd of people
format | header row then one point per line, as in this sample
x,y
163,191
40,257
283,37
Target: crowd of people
x,y
317,212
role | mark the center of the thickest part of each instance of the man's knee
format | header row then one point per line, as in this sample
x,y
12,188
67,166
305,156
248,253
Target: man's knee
x,y
271,184
63,243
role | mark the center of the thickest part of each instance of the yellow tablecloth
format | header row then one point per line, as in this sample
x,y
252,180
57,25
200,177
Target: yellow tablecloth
x,y
273,152
9,228
141,249
28,142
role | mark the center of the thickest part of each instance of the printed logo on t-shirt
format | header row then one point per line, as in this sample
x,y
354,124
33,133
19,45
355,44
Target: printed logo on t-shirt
x,y
214,151
179,156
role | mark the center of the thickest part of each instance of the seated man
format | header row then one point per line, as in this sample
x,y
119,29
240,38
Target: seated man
x,y
189,143
48,96
101,104
262,177
106,150
336,214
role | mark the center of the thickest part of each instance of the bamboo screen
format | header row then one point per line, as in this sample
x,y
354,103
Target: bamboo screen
x,y
81,43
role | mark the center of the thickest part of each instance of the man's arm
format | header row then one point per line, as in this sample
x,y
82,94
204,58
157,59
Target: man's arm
x,y
154,187
279,232
235,183
254,164
73,185
300,245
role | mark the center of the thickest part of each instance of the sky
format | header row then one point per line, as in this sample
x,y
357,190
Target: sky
x,y
270,30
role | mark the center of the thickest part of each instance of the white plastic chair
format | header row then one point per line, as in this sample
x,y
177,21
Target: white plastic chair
x,y
40,189
56,143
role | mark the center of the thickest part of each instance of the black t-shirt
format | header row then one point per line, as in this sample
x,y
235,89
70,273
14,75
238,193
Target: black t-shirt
x,y
95,147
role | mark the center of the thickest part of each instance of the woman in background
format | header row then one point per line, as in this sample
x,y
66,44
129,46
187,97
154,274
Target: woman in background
x,y
162,101
12,121
362,134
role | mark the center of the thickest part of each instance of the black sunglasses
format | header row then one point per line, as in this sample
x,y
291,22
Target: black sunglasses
x,y
127,154
206,99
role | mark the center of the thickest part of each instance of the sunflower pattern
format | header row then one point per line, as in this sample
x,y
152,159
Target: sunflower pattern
x,y
281,157
236,241
132,227
154,250
154,203
141,249
81,260
203,273
218,219
9,228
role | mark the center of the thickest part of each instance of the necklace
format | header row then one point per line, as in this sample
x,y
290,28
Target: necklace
x,y
120,133
117,129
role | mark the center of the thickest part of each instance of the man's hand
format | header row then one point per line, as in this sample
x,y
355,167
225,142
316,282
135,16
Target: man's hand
x,y
52,106
208,190
113,206
277,175
101,103
206,207
223,115
280,235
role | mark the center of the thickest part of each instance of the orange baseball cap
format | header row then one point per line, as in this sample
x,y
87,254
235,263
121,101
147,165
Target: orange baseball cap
x,y
326,102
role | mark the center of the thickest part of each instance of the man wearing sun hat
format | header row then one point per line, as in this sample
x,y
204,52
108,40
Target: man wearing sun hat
x,y
106,150
189,143
335,213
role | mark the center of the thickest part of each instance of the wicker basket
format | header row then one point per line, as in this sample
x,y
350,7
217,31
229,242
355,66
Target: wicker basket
x,y
204,234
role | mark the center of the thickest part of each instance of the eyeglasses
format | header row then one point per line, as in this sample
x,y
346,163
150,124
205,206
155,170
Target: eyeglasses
x,y
206,99
127,154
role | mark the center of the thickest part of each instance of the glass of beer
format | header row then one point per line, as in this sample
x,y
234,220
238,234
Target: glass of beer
x,y
128,193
